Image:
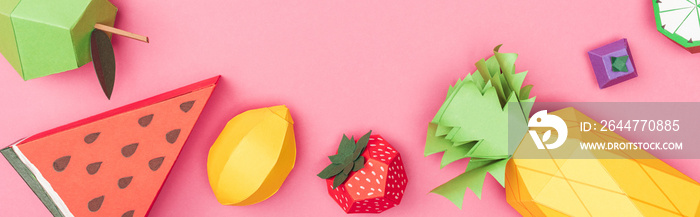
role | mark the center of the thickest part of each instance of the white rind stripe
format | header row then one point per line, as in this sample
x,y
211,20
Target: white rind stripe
x,y
44,183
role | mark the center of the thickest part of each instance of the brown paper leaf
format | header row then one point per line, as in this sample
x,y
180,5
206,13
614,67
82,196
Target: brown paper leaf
x,y
103,60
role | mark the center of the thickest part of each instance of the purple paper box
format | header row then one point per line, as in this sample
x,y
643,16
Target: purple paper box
x,y
603,66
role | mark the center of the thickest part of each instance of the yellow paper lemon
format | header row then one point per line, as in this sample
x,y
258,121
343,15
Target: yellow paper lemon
x,y
252,156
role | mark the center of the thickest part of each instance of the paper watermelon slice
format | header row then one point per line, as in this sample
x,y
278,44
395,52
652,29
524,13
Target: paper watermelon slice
x,y
114,163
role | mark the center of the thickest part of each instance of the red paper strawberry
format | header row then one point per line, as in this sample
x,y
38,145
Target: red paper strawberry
x,y
366,176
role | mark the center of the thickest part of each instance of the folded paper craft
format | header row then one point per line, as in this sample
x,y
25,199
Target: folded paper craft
x,y
114,163
365,176
252,156
40,37
595,182
679,20
473,123
612,63
43,37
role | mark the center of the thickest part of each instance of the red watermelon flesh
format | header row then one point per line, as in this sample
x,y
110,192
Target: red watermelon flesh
x,y
114,163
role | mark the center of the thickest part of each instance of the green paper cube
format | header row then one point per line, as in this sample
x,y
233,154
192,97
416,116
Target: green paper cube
x,y
679,20
43,37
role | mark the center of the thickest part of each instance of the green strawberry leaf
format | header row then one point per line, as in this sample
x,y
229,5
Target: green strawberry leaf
x,y
348,168
337,159
331,170
346,147
361,145
339,179
348,159
359,164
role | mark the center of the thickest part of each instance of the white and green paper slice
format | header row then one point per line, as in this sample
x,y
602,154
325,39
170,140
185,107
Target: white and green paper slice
x,y
679,20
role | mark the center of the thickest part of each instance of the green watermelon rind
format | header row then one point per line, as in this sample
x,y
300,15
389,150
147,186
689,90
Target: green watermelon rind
x,y
674,37
31,180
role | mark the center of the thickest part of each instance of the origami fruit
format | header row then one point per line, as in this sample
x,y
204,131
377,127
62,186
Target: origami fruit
x,y
43,37
678,20
366,176
474,122
252,156
612,63
595,182
114,163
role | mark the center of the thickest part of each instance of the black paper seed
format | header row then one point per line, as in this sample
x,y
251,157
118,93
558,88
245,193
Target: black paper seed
x,y
129,213
171,136
124,182
145,120
90,138
155,163
129,150
186,106
61,163
93,167
103,60
96,203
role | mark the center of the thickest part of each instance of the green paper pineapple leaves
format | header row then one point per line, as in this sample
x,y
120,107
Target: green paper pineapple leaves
x,y
347,159
474,123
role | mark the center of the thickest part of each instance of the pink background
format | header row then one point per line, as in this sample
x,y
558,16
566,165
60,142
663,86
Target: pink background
x,y
342,67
